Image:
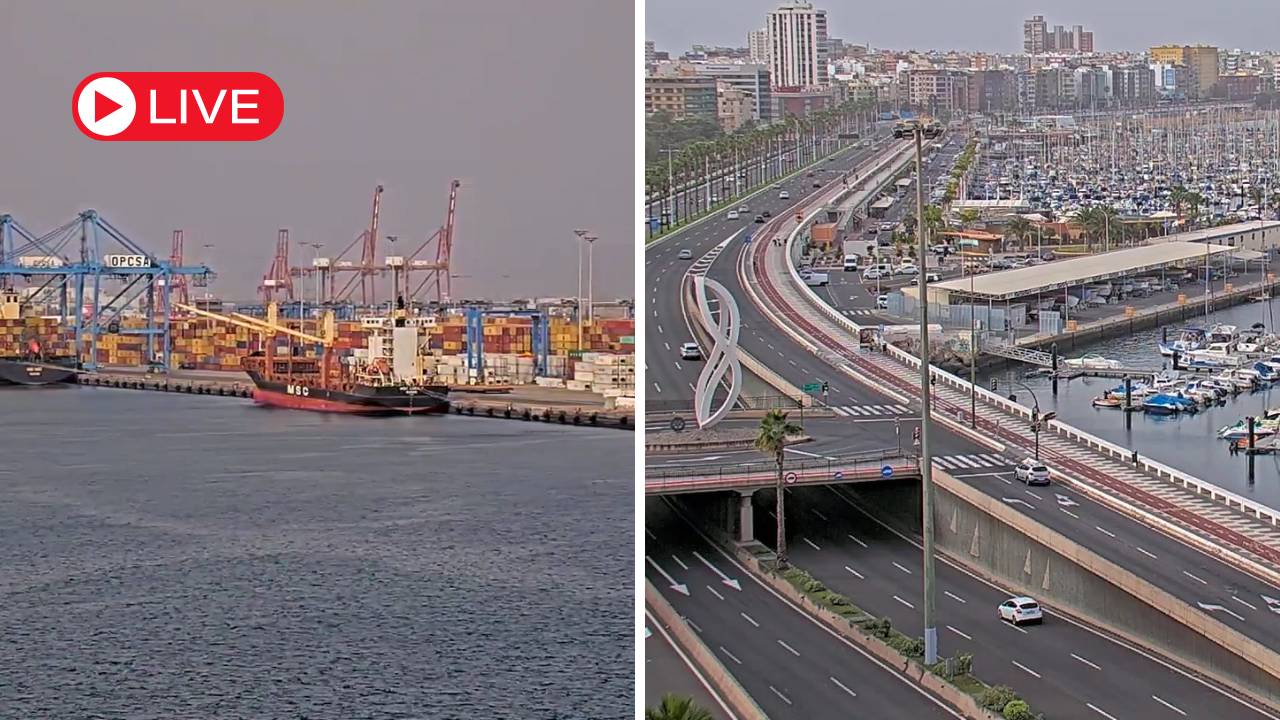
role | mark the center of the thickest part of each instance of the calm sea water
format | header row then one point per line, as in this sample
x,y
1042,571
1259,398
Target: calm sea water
x,y
170,556
1185,442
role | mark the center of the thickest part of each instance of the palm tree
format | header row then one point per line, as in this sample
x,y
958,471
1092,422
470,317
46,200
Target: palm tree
x,y
772,440
676,707
1018,227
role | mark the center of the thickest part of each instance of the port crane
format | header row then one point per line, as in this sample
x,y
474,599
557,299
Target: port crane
x,y
278,281
79,260
438,270
367,272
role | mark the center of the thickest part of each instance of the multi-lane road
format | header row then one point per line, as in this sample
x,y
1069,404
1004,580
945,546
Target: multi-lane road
x,y
1186,573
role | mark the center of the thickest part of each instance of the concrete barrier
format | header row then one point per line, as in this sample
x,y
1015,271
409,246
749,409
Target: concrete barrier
x,y
965,703
708,664
1226,640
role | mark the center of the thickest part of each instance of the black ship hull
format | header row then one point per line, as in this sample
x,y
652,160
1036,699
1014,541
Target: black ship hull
x,y
28,372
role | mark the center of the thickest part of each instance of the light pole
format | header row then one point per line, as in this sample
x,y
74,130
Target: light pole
x,y
668,212
1037,420
591,302
578,307
926,461
315,252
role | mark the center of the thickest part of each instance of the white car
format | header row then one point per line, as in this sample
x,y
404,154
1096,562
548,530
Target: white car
x,y
933,277
744,209
784,195
1032,472
907,269
733,215
882,302
872,273
690,351
1020,610
686,254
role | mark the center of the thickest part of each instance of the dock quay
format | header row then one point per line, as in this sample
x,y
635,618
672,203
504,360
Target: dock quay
x,y
532,404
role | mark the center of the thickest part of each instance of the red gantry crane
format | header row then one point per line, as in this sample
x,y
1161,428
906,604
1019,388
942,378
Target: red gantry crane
x,y
178,293
438,270
367,272
279,279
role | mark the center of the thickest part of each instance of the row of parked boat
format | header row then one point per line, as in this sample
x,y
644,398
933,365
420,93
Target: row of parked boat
x,y
1170,393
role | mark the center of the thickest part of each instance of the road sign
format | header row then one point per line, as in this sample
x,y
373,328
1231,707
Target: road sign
x,y
812,388
839,475
677,424
886,471
790,478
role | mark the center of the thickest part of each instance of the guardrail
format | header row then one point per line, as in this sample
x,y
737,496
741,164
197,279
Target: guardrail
x,y
697,478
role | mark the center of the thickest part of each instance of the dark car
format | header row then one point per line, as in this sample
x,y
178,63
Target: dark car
x,y
766,213
759,218
817,184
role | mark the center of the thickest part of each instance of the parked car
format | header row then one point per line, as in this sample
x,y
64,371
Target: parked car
x,y
690,351
1021,610
1032,472
686,254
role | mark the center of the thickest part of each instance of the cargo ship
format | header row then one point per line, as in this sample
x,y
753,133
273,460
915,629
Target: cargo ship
x,y
33,368
384,378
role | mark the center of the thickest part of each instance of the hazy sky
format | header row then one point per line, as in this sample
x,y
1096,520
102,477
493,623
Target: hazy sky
x,y
993,25
530,104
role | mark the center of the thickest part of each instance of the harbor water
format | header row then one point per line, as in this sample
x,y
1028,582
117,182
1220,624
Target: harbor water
x,y
1187,442
186,556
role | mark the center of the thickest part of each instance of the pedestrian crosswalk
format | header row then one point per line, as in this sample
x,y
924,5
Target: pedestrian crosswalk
x,y
867,410
969,462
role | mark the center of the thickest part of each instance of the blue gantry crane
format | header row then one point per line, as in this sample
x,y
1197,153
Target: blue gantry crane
x,y
82,259
475,337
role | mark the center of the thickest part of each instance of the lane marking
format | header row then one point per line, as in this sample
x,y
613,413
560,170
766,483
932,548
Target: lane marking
x,y
656,388
748,619
1086,662
1027,669
854,572
1015,627
842,687
713,592
730,655
819,514
1209,607
810,542
1242,602
693,625
1069,513
1108,533
903,569
856,540
790,649
1144,552
904,602
785,700
1094,708
1171,707
1193,577
680,562
949,594
966,637
1034,495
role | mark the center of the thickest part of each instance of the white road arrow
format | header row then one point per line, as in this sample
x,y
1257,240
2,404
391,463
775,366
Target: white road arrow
x,y
723,578
678,587
1273,604
1065,501
1219,608
1016,501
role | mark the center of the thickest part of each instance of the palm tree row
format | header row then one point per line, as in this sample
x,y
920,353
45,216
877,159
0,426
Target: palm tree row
x,y
733,163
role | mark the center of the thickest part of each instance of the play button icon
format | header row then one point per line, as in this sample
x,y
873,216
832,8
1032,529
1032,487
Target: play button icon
x,y
105,106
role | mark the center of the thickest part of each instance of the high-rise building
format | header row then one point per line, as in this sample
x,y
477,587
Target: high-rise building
x,y
1061,39
648,53
938,90
1201,62
1133,85
751,79
734,107
798,46
1084,43
758,46
1034,35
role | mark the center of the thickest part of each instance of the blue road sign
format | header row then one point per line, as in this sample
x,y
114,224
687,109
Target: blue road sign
x,y
886,471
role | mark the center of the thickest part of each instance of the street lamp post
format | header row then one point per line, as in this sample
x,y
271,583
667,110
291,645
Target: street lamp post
x,y
1037,419
591,302
926,460
578,307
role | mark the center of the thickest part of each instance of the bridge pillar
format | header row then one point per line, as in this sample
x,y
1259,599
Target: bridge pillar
x,y
746,517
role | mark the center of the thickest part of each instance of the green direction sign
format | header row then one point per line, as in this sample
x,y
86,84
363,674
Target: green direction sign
x,y
812,388
628,339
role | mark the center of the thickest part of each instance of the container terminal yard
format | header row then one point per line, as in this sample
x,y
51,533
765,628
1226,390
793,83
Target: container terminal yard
x,y
86,295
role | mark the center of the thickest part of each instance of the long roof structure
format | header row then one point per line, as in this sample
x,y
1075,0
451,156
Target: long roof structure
x,y
1007,284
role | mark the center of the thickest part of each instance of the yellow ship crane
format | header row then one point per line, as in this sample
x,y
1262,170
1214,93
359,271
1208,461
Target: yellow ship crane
x,y
272,327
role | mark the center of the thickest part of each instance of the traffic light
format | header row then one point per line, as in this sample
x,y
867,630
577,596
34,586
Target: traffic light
x,y
915,433
994,385
825,388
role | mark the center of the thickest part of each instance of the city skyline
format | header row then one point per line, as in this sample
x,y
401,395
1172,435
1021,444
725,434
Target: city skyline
x,y
372,96
983,25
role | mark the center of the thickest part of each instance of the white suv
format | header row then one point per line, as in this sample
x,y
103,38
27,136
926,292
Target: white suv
x,y
1032,472
1020,610
690,351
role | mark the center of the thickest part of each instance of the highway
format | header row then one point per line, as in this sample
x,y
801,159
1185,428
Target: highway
x,y
667,670
1177,568
670,378
1063,669
789,663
